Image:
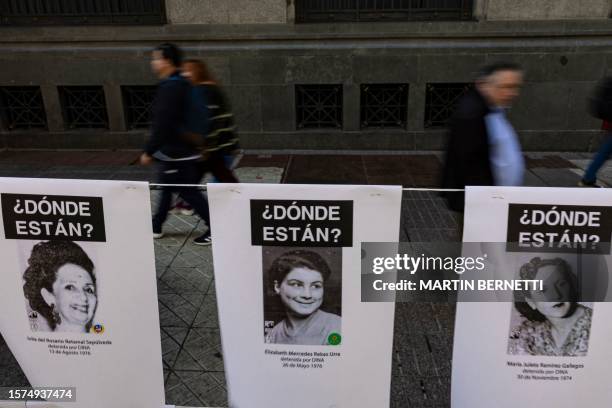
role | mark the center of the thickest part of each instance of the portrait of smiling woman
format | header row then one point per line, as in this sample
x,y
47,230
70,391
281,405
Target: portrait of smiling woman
x,y
553,322
60,286
298,280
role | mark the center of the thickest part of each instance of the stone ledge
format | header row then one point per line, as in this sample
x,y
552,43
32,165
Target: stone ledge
x,y
254,32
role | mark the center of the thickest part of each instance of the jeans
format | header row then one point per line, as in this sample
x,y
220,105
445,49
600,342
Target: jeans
x,y
603,154
180,172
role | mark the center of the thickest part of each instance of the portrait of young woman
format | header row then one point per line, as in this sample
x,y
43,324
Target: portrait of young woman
x,y
302,297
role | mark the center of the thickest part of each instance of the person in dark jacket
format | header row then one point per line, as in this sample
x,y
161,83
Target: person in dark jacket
x,y
220,145
177,158
483,148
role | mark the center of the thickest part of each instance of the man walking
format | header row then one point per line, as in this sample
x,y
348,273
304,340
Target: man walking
x,y
483,148
177,158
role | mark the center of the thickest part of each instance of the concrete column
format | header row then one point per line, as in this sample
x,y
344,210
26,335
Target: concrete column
x,y
291,11
114,108
53,108
480,9
416,106
351,115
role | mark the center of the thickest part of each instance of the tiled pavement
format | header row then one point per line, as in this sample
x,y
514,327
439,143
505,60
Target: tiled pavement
x,y
192,359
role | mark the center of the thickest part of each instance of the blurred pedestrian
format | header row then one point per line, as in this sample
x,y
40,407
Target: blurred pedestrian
x,y
177,159
601,108
483,148
220,145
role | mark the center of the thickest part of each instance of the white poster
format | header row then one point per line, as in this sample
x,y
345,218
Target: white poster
x,y
287,271
537,351
78,291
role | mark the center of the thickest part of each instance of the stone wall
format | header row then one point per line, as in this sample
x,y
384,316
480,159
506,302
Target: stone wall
x,y
543,9
260,66
226,11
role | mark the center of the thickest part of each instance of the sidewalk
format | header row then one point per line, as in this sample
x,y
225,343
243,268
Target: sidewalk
x,y
193,365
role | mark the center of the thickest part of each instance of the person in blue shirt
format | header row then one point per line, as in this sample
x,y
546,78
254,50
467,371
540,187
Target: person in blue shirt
x,y
483,148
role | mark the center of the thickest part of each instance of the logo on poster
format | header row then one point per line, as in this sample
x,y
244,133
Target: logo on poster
x,y
334,339
97,328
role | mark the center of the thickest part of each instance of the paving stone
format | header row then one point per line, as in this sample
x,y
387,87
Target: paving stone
x,y
259,174
532,180
207,315
557,177
186,280
337,170
185,361
201,385
181,395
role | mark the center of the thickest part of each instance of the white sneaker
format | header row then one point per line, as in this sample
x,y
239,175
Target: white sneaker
x,y
158,235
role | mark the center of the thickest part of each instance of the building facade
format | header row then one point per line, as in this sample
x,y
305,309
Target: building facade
x,y
301,74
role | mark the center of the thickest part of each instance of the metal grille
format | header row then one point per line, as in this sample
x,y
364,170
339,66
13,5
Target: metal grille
x,y
440,102
318,106
84,107
50,12
384,105
137,102
308,11
22,107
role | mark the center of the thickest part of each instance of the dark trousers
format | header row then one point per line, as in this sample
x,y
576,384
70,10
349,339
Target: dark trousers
x,y
216,164
180,172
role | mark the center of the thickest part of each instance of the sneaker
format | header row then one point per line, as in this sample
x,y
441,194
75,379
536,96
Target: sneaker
x,y
186,211
592,184
204,239
175,210
157,234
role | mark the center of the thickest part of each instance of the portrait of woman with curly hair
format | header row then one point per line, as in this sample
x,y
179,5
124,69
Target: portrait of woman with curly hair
x,y
298,278
553,322
60,286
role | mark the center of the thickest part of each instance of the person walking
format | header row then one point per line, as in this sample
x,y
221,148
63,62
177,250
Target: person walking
x,y
177,159
220,145
601,108
483,148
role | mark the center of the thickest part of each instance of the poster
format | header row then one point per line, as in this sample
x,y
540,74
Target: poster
x,y
287,264
78,289
550,347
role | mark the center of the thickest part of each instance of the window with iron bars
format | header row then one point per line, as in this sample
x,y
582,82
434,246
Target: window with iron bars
x,y
384,105
441,100
22,107
312,11
67,12
137,103
83,107
318,106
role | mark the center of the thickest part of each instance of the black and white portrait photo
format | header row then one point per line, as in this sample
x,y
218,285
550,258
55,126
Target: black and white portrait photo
x,y
550,321
59,284
302,295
